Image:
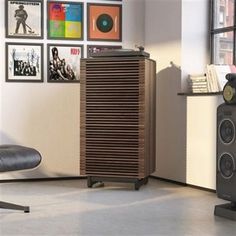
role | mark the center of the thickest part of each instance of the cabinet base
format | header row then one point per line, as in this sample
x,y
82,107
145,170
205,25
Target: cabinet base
x,y
96,180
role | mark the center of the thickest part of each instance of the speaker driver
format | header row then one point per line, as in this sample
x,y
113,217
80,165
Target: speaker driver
x,y
228,93
227,131
104,23
226,165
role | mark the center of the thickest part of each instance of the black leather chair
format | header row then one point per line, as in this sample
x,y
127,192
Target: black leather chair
x,y
15,157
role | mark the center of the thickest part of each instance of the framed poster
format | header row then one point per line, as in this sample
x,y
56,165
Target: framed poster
x,y
24,19
24,62
99,48
104,22
64,63
65,20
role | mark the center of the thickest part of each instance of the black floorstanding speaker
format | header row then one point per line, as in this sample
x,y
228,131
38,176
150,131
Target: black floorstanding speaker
x,y
226,161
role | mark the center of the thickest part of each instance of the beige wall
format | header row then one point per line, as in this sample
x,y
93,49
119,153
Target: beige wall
x,y
46,116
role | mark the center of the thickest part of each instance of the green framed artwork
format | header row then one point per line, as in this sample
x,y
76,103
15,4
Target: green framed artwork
x,y
65,20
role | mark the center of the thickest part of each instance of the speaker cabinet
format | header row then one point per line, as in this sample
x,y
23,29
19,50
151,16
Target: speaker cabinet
x,y
117,118
226,152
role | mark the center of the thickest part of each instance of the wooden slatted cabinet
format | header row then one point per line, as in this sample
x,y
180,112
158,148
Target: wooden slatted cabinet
x,y
118,119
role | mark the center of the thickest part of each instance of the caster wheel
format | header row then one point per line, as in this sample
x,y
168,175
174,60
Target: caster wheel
x,y
136,186
145,181
89,182
98,184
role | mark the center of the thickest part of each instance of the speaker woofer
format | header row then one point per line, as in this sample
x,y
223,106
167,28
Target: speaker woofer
x,y
227,131
226,165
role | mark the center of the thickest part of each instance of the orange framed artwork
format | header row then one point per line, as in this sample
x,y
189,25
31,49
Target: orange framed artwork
x,y
104,22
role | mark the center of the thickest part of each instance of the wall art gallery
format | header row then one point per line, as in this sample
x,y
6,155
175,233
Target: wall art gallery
x,y
65,22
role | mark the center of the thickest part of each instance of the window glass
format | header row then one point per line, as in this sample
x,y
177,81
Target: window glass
x,y
223,13
223,48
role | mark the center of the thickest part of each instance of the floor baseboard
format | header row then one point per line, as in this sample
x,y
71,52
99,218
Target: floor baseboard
x,y
183,184
85,177
43,179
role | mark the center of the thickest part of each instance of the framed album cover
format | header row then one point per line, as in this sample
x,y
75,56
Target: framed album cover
x,y
99,48
65,20
24,19
64,63
24,62
104,22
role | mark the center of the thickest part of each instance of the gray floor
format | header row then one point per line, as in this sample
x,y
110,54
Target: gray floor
x,y
70,208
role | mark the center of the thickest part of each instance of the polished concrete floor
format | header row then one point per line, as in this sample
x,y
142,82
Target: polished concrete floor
x,y
69,208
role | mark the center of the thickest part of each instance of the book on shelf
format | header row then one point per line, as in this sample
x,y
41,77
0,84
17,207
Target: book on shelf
x,y
216,76
198,87
198,83
197,78
201,90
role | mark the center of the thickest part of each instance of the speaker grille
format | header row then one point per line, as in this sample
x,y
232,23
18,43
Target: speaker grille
x,y
227,131
226,165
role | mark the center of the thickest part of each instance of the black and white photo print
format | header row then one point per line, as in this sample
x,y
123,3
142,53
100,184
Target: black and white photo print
x,y
24,19
24,62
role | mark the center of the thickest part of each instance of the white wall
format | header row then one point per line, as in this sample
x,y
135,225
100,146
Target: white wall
x,y
46,116
201,111
163,41
195,45
176,36
133,23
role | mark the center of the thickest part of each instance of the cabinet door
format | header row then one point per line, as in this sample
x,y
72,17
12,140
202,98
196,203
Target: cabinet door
x,y
112,142
201,140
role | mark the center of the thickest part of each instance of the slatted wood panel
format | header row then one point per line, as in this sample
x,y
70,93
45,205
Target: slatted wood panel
x,y
115,123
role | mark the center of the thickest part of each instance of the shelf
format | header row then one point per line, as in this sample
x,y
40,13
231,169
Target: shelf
x,y
200,94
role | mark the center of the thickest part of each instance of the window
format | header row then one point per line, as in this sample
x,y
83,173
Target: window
x,y
223,30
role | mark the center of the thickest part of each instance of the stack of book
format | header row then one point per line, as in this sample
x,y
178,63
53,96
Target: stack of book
x,y
198,83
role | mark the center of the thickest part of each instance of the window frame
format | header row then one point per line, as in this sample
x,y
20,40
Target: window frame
x,y
221,30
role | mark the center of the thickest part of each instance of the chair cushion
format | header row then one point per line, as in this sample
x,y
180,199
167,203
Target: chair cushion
x,y
14,157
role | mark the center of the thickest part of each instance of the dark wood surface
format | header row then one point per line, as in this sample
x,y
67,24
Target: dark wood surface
x,y
200,94
117,117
